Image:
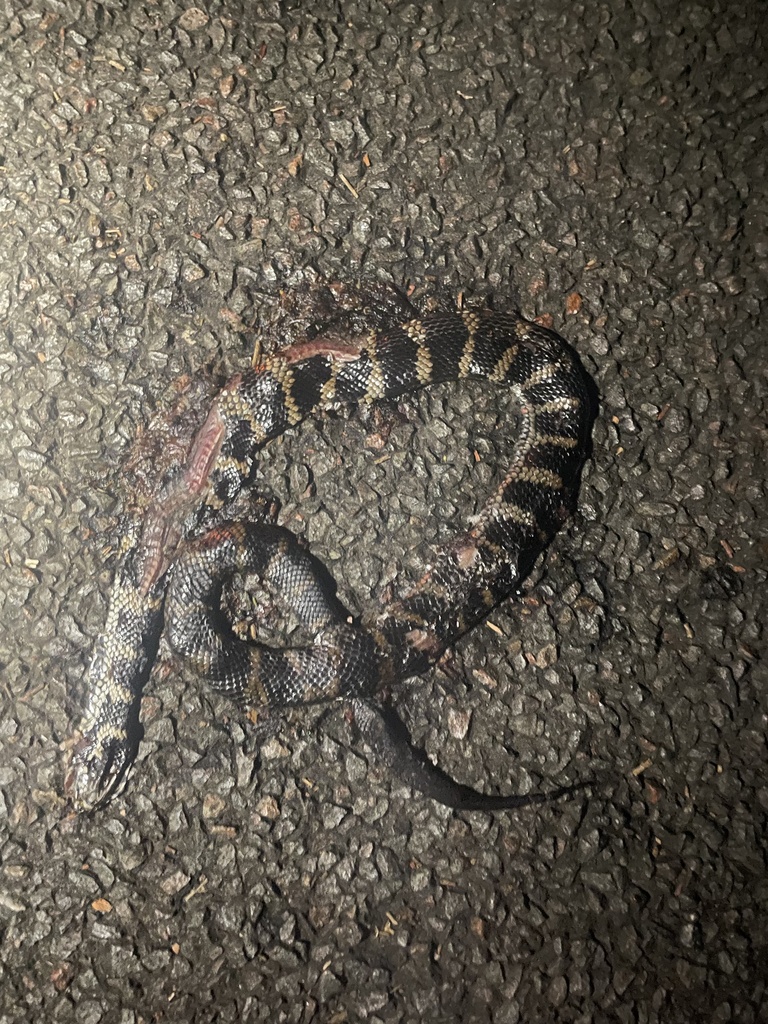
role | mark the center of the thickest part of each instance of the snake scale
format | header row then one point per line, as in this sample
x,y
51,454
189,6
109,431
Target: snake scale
x,y
177,555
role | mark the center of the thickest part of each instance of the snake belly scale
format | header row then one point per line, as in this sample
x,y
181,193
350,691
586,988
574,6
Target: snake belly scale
x,y
174,558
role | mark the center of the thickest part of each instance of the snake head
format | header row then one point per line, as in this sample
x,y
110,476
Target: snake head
x,y
99,762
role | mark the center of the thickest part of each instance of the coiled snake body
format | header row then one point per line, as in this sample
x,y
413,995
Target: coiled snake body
x,y
176,556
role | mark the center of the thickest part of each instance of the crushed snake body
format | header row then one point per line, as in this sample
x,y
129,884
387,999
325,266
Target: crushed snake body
x,y
177,555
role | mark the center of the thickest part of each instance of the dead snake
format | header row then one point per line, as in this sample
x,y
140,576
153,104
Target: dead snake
x,y
175,558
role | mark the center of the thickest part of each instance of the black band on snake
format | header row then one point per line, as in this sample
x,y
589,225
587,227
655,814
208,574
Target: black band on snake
x,y
175,558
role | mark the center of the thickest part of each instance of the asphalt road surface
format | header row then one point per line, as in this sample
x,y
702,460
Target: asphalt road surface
x,y
166,171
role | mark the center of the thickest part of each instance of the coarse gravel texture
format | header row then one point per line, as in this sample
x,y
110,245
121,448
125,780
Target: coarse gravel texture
x,y
165,170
